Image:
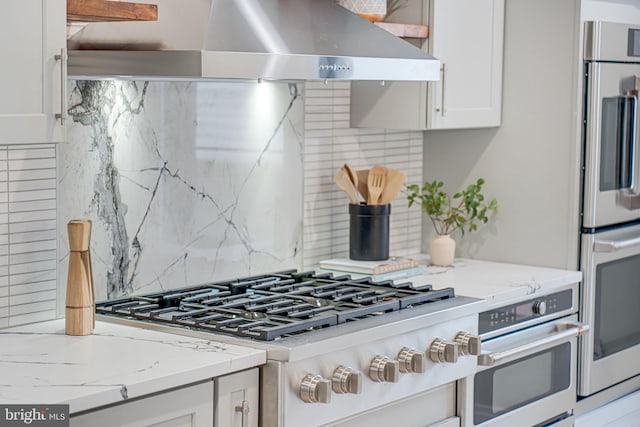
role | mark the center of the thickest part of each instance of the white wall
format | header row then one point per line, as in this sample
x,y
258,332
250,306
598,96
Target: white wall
x,y
624,11
530,163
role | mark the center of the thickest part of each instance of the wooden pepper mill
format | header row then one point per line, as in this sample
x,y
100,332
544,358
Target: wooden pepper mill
x,y
80,301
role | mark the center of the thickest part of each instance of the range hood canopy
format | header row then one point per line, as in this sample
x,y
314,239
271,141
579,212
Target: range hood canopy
x,y
247,39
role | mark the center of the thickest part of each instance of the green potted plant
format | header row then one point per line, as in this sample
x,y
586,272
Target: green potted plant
x,y
462,211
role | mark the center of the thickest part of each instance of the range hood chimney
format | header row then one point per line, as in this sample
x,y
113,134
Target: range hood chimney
x,y
247,39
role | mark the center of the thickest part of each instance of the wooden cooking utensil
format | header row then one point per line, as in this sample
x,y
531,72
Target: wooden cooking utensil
x,y
363,178
80,300
344,183
353,176
375,182
395,181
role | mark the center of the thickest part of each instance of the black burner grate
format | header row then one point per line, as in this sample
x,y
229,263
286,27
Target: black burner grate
x,y
275,305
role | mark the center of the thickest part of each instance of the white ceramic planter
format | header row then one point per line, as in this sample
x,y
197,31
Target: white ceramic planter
x,y
373,10
442,250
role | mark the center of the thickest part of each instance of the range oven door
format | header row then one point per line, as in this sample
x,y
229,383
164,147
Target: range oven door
x,y
611,291
611,175
524,378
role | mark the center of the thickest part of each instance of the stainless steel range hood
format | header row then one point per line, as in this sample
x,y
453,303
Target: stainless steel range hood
x,y
247,39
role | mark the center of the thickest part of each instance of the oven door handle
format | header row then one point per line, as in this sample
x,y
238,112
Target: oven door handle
x,y
615,245
631,198
563,332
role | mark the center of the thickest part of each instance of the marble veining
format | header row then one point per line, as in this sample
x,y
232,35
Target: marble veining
x,y
42,364
195,182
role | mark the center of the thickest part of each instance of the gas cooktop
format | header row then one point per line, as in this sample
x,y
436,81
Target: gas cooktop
x,y
272,306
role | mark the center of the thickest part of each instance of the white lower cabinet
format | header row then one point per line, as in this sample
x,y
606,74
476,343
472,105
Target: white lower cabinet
x,y
227,401
190,406
623,412
237,399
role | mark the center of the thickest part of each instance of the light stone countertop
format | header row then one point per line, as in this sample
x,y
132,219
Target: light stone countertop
x,y
496,282
39,364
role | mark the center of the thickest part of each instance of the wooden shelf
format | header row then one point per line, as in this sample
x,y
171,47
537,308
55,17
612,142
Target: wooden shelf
x,y
104,10
405,30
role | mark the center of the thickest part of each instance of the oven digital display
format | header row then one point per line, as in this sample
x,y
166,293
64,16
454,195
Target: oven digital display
x,y
634,42
523,311
514,314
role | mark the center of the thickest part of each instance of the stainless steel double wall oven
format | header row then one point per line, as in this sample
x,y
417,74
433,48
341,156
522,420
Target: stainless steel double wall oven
x,y
610,238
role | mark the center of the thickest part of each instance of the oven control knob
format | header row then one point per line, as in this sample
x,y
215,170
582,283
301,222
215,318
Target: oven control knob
x,y
315,389
383,369
411,360
469,344
346,380
442,351
539,307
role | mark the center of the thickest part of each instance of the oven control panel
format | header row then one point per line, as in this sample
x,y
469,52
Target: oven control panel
x,y
525,311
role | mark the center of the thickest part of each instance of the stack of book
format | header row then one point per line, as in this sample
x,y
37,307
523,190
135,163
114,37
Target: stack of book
x,y
390,269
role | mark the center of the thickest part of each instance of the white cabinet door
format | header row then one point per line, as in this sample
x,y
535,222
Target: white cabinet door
x,y
32,33
237,397
467,37
185,407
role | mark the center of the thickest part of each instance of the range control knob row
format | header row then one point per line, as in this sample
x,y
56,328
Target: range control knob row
x,y
469,344
442,351
346,380
315,389
383,369
412,361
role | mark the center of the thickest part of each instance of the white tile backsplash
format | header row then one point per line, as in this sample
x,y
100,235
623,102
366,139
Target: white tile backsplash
x,y
22,164
27,191
36,184
42,313
42,255
22,248
32,216
34,297
329,143
31,195
31,267
28,278
25,227
33,287
27,175
33,236
16,153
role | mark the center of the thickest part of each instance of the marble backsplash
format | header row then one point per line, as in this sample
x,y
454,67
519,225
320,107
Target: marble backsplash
x,y
185,182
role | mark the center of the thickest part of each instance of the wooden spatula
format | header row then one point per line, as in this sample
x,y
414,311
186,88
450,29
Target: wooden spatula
x,y
395,181
363,178
344,183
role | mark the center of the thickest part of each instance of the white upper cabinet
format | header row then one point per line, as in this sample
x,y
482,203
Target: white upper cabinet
x,y
467,37
33,44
